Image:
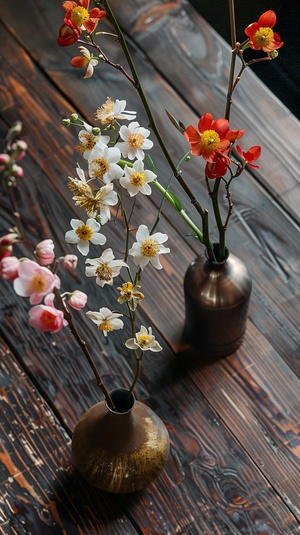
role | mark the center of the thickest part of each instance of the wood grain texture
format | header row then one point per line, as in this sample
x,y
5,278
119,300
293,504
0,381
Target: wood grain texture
x,y
41,493
234,424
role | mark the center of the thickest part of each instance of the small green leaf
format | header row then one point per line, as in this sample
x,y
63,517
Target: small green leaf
x,y
175,200
150,163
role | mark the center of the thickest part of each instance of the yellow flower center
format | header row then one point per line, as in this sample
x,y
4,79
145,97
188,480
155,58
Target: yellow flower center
x,y
103,113
210,139
84,232
126,289
87,142
79,15
136,141
38,283
104,272
105,326
47,318
144,339
263,37
100,167
149,248
137,179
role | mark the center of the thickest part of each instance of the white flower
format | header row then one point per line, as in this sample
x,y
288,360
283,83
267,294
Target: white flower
x,y
148,247
104,268
144,340
88,140
137,179
111,111
106,320
83,233
103,163
135,140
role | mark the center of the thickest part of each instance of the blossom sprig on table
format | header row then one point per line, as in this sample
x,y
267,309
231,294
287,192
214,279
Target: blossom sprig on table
x,y
37,279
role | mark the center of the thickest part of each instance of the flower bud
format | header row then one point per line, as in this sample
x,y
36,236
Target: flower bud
x,y
77,300
6,243
70,262
9,268
4,159
19,147
66,122
74,117
45,252
96,131
17,171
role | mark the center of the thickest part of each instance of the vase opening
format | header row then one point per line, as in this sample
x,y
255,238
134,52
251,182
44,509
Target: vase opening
x,y
216,249
122,400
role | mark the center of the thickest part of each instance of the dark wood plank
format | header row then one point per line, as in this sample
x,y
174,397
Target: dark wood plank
x,y
41,493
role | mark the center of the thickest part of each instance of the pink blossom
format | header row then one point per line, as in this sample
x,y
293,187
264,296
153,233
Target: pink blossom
x,y
45,252
9,268
70,262
35,281
77,300
46,317
6,243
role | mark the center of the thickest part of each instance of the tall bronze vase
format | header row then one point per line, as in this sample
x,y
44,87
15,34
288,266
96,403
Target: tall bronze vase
x,y
217,297
120,452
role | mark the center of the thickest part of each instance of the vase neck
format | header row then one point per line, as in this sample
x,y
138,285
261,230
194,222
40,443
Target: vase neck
x,y
216,249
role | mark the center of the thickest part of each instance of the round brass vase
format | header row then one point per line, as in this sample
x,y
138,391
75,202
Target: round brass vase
x,y
217,298
120,452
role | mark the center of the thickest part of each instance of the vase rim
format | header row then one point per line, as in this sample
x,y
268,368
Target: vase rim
x,y
216,250
119,397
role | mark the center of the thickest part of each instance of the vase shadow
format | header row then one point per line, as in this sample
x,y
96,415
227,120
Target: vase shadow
x,y
77,502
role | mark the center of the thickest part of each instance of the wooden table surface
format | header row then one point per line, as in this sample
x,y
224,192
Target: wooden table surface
x,y
234,423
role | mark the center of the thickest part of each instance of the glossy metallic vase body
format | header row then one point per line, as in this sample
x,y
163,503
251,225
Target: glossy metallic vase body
x,y
120,452
217,297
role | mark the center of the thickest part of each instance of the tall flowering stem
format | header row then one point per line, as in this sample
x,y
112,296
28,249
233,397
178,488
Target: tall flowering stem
x,y
177,174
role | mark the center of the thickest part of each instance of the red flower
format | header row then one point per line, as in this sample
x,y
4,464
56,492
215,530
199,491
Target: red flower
x,y
68,35
261,35
217,169
251,155
79,15
213,139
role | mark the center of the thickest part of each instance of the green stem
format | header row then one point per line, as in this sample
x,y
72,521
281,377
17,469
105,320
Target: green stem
x,y
152,124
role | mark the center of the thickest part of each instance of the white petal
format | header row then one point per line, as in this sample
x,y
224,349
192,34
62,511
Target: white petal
x,y
142,233
98,239
131,344
83,247
71,237
93,224
155,262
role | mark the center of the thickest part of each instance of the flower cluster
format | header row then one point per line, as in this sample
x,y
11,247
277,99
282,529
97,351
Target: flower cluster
x,y
116,171
213,140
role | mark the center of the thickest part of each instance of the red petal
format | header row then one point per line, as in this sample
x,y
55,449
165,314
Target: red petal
x,y
90,25
232,135
68,5
267,19
221,126
251,29
79,62
253,153
205,122
97,13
